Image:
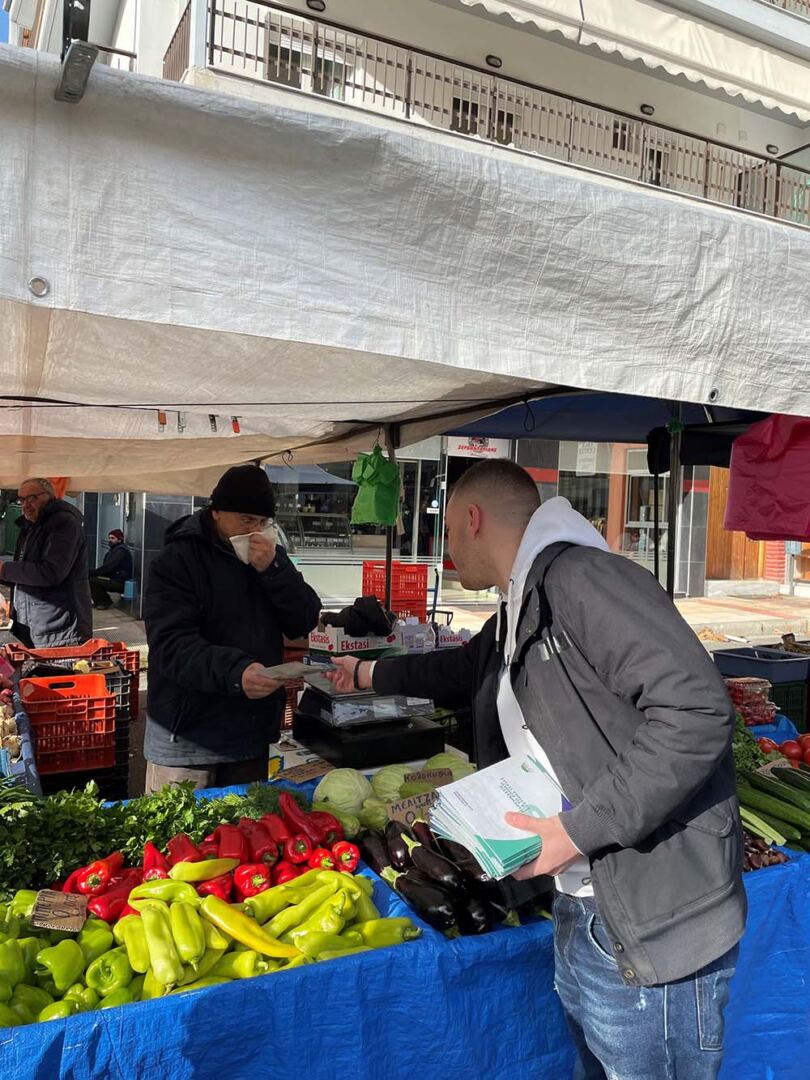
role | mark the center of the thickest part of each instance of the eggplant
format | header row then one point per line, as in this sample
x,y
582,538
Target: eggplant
x,y
395,834
428,900
421,830
473,917
439,869
373,849
465,861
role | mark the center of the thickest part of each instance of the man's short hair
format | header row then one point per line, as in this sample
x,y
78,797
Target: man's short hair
x,y
502,483
46,485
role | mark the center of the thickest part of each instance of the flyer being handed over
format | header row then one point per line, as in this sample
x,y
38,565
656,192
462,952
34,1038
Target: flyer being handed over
x,y
471,811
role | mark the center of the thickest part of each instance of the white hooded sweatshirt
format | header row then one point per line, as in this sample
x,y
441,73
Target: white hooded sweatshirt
x,y
554,522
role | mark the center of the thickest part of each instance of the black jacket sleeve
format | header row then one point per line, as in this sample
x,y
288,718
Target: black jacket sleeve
x,y
63,539
113,562
643,650
176,646
446,676
296,605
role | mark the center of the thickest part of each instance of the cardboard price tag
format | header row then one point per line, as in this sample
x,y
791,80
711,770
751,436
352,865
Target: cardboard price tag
x,y
407,811
439,777
299,774
59,911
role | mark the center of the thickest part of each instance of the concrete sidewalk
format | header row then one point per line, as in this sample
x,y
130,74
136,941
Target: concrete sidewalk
x,y
757,619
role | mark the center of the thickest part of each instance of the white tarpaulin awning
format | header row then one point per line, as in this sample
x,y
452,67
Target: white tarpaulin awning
x,y
662,37
319,272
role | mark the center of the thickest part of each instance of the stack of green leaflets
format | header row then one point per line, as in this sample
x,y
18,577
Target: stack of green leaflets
x,y
471,811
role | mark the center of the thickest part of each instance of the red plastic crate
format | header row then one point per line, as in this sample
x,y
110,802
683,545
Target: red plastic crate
x,y
102,757
408,587
56,736
95,649
80,697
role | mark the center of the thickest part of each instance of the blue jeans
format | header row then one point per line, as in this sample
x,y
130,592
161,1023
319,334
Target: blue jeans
x,y
668,1032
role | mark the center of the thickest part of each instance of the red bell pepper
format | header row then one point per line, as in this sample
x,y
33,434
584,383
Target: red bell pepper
x,y
251,878
297,820
263,848
181,849
321,859
94,879
72,883
346,856
297,849
154,864
221,887
231,844
110,905
330,827
208,848
127,911
284,871
276,827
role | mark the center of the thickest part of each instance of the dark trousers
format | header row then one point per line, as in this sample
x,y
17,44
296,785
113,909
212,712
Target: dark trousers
x,y
100,589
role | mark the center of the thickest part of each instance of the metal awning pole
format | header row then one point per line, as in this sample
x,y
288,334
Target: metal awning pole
x,y
389,529
656,527
675,484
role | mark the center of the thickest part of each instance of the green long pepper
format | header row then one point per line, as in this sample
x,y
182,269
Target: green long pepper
x,y
291,917
165,963
130,933
187,931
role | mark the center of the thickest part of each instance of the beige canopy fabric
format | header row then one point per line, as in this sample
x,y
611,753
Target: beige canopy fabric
x,y
662,37
319,272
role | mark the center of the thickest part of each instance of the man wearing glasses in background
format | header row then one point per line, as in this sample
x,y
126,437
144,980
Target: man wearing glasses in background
x,y
50,590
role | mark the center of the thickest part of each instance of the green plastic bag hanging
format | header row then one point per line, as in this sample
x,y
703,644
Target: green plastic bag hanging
x,y
377,499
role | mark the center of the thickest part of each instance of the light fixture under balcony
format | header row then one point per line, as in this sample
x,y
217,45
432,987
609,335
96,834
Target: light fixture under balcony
x,y
647,110
494,61
772,149
76,67
316,5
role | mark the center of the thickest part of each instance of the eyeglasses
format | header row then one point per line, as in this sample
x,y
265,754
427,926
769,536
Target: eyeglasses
x,y
22,500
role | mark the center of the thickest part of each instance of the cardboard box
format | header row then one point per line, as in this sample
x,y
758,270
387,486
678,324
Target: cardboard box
x,y
450,638
417,637
334,641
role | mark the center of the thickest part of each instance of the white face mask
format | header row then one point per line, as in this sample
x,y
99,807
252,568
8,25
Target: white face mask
x,y
242,543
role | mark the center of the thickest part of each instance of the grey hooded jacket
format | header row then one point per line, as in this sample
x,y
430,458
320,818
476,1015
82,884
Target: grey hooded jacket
x,y
51,603
637,725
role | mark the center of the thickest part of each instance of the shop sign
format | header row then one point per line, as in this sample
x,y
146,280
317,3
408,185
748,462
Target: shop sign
x,y
478,446
586,458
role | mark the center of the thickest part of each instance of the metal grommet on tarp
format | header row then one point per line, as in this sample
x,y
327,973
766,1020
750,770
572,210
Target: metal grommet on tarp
x,y
39,287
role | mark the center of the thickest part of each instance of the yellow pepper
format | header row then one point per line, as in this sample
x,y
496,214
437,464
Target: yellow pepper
x,y
243,929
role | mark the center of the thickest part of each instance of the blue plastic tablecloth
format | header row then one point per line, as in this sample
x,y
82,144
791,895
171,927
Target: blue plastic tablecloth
x,y
482,1007
25,770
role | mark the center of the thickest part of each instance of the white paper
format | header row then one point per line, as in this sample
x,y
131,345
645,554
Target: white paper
x,y
241,543
471,811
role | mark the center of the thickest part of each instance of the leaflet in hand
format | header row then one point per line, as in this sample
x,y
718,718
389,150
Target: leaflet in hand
x,y
471,812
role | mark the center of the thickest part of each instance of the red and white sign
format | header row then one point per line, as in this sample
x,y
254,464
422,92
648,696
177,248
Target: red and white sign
x,y
478,446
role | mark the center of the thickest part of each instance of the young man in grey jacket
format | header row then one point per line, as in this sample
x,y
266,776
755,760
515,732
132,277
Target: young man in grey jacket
x,y
589,665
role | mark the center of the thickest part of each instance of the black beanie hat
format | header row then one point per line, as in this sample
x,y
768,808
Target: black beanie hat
x,y
244,489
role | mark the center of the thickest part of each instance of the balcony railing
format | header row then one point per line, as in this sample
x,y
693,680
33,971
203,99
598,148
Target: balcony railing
x,y
262,41
178,53
798,7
